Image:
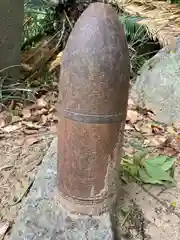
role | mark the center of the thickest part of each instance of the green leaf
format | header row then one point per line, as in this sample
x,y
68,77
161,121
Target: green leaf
x,y
157,173
144,177
156,161
138,156
168,164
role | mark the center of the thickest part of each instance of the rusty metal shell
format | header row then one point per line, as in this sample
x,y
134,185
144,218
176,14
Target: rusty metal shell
x,y
94,84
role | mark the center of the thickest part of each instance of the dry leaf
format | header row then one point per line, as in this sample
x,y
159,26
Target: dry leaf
x,y
26,113
132,116
41,102
56,62
128,150
4,226
12,128
162,139
5,118
128,127
30,141
151,141
15,119
52,109
40,112
130,101
31,125
44,119
155,140
131,104
30,131
157,129
169,151
2,122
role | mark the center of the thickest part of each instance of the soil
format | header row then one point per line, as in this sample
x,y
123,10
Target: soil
x,y
19,160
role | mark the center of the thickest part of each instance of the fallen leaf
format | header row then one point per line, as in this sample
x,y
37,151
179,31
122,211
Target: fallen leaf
x,y
175,143
31,125
40,112
56,62
157,129
132,116
44,119
160,168
30,131
5,118
155,141
131,103
151,115
12,128
41,102
4,226
2,123
169,151
30,141
144,177
162,139
158,174
15,119
143,128
128,127
136,126
52,109
26,113
128,150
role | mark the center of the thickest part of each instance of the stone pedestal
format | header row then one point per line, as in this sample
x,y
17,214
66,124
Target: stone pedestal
x,y
43,218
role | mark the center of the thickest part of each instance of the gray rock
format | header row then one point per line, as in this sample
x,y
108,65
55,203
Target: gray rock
x,y
158,85
42,218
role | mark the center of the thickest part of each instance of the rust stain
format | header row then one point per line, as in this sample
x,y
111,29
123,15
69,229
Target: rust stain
x,y
94,82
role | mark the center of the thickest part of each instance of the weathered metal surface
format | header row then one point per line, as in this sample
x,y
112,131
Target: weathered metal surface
x,y
94,84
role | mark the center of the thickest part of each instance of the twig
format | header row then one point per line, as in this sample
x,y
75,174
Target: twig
x,y
5,167
56,34
68,19
24,194
6,68
62,34
125,219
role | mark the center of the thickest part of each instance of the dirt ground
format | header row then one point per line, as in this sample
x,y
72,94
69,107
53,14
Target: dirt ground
x,y
19,160
22,151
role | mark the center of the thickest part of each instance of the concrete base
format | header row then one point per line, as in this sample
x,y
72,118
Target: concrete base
x,y
42,218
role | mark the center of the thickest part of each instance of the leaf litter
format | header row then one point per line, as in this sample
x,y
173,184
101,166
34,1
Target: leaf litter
x,y
25,134
151,149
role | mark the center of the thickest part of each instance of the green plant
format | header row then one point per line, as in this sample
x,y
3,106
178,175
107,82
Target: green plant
x,y
38,21
138,39
152,170
174,2
14,91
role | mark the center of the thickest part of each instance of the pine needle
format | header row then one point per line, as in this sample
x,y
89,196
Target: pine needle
x,y
161,18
